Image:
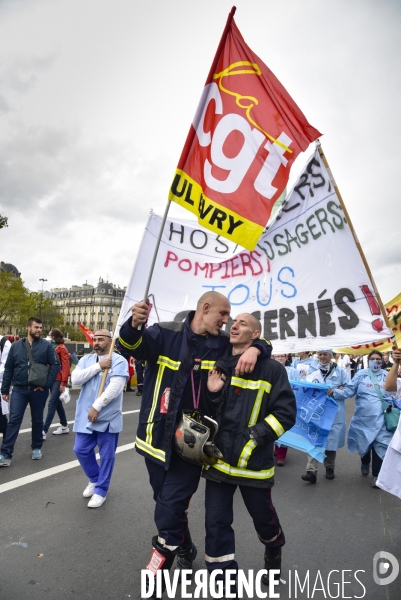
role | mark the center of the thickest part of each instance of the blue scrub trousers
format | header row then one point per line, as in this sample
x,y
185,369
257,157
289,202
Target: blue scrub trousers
x,y
220,541
84,448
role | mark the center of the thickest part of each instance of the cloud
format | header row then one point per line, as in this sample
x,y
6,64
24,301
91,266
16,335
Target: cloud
x,y
47,169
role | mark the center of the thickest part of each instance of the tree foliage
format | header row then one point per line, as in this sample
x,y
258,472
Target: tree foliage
x,y
3,222
74,336
17,304
44,309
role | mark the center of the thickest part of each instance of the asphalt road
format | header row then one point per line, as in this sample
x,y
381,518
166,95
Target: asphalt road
x,y
52,547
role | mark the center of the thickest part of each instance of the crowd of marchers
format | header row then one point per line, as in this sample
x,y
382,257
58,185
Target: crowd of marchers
x,y
214,405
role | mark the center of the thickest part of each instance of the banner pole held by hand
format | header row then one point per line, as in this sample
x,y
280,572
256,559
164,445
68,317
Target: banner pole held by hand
x,y
102,383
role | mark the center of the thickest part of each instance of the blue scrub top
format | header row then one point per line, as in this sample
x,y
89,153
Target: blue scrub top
x,y
109,416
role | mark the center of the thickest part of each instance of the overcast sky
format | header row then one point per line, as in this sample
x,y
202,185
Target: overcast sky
x,y
97,96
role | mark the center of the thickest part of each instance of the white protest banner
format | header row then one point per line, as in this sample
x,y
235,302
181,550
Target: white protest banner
x,y
305,280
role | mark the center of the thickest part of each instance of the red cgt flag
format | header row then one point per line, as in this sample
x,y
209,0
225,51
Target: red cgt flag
x,y
87,333
246,133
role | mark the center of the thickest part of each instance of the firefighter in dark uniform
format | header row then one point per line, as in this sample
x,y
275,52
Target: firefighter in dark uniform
x,y
252,412
179,357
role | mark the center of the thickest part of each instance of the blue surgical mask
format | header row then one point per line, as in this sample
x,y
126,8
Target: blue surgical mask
x,y
375,365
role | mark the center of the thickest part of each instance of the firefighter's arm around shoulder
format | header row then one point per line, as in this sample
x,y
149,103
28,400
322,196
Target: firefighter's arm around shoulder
x,y
282,408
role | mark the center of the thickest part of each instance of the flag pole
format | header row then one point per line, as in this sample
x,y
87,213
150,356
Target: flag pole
x,y
358,245
102,383
183,157
187,147
159,237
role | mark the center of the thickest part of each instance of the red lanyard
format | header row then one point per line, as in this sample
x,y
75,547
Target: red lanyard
x,y
195,397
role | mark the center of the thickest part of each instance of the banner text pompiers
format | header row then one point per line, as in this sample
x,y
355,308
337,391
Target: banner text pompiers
x,y
305,280
246,133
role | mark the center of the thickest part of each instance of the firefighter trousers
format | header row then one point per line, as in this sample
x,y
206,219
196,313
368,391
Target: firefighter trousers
x,y
172,492
220,541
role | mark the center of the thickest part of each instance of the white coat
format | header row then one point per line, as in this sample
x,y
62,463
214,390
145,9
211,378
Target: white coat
x,y
390,474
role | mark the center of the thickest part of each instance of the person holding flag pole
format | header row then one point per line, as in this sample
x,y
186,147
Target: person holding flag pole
x,y
245,98
98,417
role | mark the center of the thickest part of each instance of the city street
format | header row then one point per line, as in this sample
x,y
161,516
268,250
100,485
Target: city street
x,y
53,547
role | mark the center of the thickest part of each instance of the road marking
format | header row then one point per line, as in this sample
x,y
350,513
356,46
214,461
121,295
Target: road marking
x,y
128,412
11,485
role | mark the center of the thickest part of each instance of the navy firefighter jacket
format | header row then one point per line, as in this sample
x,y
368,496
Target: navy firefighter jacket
x,y
170,350
253,411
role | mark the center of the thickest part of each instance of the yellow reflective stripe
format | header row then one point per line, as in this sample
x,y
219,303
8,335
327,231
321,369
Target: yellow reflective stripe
x,y
256,408
171,364
251,385
236,472
155,452
163,362
207,364
149,426
129,346
275,425
265,340
246,453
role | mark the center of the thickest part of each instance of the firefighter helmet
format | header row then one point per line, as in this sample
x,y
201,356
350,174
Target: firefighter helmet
x,y
194,439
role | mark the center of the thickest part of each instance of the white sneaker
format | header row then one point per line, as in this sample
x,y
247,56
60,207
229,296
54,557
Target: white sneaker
x,y
44,435
88,491
60,429
96,501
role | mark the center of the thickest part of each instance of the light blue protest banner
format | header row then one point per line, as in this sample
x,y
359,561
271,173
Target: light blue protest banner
x,y
315,415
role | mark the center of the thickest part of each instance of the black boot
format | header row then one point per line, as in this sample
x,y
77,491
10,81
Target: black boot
x,y
309,476
272,561
330,473
186,556
169,559
138,391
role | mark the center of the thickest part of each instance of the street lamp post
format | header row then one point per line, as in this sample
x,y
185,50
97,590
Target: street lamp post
x,y
41,297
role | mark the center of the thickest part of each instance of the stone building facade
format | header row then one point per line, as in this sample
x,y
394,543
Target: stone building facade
x,y
96,307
